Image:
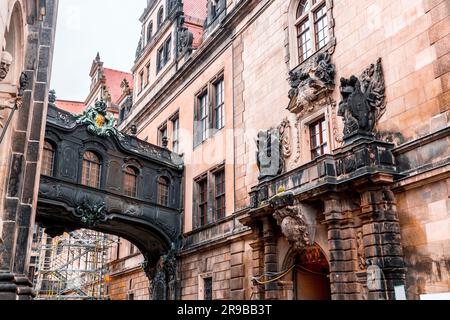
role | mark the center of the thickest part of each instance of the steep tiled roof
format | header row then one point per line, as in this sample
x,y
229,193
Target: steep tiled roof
x,y
74,107
113,80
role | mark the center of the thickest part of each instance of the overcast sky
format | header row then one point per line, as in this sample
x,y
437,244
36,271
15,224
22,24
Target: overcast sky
x,y
86,27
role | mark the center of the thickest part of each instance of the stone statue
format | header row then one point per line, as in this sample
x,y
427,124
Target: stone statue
x,y
5,63
269,154
52,96
185,41
363,101
285,136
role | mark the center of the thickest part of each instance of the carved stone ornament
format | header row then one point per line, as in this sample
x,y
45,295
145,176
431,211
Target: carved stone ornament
x,y
5,63
139,48
285,136
269,154
98,121
294,227
162,274
91,214
52,96
185,39
312,82
363,101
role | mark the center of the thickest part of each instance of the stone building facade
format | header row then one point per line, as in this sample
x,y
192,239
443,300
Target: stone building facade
x,y
27,30
315,142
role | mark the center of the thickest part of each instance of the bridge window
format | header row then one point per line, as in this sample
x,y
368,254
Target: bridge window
x,y
163,192
91,170
130,182
48,159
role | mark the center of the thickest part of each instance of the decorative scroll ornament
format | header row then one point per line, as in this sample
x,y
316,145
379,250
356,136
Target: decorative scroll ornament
x,y
91,215
363,101
139,48
285,136
294,226
98,121
311,83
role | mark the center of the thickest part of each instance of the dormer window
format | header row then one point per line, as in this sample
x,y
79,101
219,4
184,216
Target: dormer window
x,y
149,31
160,17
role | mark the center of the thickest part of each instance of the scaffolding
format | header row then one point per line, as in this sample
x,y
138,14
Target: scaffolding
x,y
72,267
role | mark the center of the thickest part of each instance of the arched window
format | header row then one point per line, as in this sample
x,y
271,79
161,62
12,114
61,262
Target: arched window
x,y
48,159
91,170
149,31
160,17
163,191
311,23
130,182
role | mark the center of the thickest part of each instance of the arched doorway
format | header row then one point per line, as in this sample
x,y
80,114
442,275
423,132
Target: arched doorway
x,y
311,275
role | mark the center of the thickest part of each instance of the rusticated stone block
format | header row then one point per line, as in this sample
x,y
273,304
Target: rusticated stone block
x,y
237,284
237,271
237,259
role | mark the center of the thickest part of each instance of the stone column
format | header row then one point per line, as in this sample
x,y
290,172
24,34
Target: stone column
x,y
18,214
341,237
270,259
382,243
258,268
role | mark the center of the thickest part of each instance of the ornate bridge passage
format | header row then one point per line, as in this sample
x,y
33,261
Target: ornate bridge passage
x,y
94,177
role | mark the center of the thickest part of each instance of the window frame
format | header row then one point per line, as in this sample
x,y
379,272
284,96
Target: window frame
x,y
202,203
175,119
202,118
162,128
216,106
220,195
323,146
297,56
160,17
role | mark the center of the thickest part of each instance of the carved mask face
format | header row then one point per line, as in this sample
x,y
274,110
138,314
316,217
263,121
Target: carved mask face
x,y
4,69
5,64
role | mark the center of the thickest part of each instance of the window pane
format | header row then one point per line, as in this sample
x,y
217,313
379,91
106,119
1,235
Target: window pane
x,y
321,27
176,129
163,192
303,8
91,170
130,182
304,40
219,105
48,159
319,138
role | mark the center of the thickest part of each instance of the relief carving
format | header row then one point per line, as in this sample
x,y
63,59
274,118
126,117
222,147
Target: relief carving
x,y
294,226
311,83
363,101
